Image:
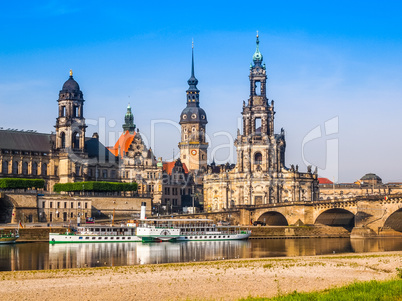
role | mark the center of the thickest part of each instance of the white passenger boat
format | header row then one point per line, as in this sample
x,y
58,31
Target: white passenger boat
x,y
8,236
187,230
96,234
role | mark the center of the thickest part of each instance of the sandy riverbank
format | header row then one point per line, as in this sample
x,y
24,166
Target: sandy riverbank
x,y
219,280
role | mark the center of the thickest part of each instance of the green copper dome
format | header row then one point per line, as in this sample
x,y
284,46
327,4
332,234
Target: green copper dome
x,y
257,57
129,121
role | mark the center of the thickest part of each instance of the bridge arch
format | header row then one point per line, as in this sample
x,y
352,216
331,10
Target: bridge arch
x,y
394,221
273,218
336,217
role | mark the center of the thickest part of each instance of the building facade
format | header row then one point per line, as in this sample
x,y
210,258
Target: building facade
x,y
260,175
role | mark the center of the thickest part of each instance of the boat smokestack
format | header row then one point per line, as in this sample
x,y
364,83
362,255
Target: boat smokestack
x,y
143,208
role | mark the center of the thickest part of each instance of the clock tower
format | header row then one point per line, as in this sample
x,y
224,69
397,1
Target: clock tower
x,y
193,148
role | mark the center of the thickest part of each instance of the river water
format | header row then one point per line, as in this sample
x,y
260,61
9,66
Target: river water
x,y
39,256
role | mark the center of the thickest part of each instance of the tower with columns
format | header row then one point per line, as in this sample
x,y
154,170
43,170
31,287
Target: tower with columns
x,y
260,176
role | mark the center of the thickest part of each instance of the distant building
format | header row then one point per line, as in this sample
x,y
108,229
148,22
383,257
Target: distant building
x,y
371,179
369,184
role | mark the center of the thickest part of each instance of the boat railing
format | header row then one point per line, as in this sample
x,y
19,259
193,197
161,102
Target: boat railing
x,y
173,226
106,233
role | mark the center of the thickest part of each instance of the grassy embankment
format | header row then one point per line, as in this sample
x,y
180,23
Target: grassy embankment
x,y
364,291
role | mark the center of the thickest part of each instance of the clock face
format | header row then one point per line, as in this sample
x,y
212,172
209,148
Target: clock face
x,y
184,116
193,152
193,116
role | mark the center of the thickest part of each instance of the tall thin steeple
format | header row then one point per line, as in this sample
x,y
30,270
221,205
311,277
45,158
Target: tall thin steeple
x,y
192,91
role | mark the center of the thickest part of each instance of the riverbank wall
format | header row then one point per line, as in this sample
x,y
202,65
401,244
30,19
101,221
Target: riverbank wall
x,y
38,234
284,232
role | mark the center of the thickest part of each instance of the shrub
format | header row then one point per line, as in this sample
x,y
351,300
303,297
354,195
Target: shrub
x,y
21,183
95,186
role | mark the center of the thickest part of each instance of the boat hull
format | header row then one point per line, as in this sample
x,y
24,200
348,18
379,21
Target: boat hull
x,y
56,238
8,240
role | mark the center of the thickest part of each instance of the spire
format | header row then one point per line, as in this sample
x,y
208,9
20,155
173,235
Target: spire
x,y
192,91
257,57
192,59
71,73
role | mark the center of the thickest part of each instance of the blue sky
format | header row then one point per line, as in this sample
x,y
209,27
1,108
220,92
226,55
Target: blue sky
x,y
324,60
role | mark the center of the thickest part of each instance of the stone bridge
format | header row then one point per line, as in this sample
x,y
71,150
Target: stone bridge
x,y
373,212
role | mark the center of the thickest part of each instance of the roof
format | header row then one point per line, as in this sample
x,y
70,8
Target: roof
x,y
124,143
71,85
193,114
324,181
26,141
168,167
96,149
370,176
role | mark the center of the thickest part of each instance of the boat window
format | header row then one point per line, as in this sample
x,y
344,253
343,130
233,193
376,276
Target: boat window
x,y
128,237
219,237
103,229
123,238
105,237
113,238
93,237
80,237
186,237
99,237
86,237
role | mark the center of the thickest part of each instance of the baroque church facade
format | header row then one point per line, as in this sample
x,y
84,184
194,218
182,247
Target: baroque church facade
x,y
260,175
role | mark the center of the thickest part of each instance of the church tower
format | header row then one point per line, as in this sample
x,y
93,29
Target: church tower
x,y
70,132
129,121
258,148
70,123
193,148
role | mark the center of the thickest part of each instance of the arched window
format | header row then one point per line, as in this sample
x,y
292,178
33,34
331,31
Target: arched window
x,y
104,173
44,169
63,140
25,168
257,158
257,88
77,170
15,168
76,140
35,169
5,167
